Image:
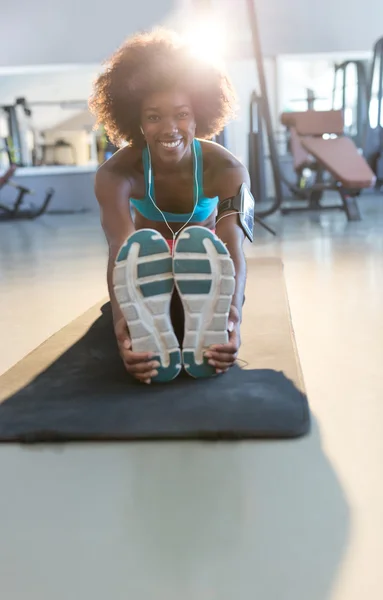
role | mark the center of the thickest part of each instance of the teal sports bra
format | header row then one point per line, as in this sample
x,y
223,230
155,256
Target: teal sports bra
x,y
205,206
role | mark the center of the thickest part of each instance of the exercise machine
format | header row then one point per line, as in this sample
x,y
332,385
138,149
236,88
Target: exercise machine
x,y
317,144
17,210
26,143
350,95
19,132
373,147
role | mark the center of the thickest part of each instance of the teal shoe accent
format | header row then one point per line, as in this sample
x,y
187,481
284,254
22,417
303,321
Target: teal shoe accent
x,y
189,265
163,265
198,371
194,287
204,277
196,243
150,243
143,285
156,288
173,368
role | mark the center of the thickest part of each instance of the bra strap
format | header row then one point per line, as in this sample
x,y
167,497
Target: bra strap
x,y
198,152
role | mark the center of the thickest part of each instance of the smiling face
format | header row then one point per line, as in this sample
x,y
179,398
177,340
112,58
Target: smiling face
x,y
169,125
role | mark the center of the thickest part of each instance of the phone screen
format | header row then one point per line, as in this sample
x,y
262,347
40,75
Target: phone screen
x,y
248,210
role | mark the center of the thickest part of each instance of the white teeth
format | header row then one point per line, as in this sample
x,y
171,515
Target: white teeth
x,y
171,144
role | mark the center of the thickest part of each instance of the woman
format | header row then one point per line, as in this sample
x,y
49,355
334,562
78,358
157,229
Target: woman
x,y
167,183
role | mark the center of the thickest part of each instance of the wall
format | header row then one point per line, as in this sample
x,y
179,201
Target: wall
x,y
46,31
244,77
298,72
73,31
302,26
73,188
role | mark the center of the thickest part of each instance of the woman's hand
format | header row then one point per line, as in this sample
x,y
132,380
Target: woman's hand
x,y
138,364
223,356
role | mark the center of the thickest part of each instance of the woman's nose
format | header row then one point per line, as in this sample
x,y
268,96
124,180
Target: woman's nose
x,y
170,126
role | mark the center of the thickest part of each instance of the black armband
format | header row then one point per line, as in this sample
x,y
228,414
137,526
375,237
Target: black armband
x,y
244,205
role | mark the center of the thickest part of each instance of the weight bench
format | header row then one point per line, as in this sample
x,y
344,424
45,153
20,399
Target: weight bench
x,y
317,142
15,211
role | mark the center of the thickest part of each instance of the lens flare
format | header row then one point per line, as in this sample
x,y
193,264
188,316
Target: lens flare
x,y
207,41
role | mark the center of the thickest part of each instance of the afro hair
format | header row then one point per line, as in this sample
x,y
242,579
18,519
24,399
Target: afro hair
x,y
152,62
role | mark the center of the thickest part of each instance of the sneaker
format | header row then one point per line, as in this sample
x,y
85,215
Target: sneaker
x,y
143,285
204,277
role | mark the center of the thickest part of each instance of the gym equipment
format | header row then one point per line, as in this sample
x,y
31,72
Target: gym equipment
x,y
16,210
373,148
13,134
221,138
27,150
75,387
310,99
317,143
256,151
20,131
263,116
327,169
49,153
350,95
328,176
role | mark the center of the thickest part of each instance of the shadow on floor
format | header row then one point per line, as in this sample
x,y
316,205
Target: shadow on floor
x,y
149,521
264,520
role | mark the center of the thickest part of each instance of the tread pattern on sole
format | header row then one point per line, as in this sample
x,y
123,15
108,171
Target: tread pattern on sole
x,y
143,284
205,279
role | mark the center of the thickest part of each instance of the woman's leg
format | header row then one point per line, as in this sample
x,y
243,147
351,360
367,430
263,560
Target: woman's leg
x,y
143,285
205,280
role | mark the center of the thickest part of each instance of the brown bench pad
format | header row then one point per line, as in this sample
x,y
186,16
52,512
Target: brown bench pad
x,y
341,158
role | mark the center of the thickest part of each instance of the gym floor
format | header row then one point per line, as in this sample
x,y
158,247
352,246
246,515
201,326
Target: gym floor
x,y
299,520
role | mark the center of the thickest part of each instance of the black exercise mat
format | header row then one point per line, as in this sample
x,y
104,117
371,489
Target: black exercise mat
x,y
86,394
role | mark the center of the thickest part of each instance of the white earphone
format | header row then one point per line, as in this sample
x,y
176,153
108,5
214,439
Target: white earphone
x,y
174,234
195,200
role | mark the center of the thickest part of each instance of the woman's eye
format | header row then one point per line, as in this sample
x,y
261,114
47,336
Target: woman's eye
x,y
153,118
183,115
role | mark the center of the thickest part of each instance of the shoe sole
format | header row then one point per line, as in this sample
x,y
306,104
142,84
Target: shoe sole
x,y
204,277
143,284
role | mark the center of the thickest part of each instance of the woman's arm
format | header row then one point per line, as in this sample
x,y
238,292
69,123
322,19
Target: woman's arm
x,y
113,193
229,230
